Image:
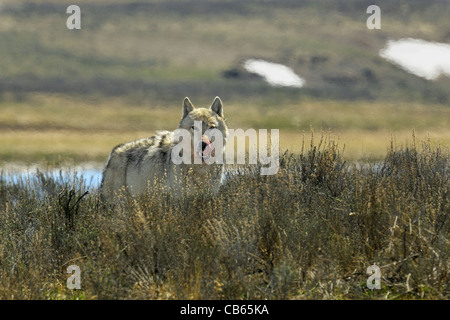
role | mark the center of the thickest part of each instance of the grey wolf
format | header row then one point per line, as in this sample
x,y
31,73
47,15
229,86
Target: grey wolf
x,y
146,165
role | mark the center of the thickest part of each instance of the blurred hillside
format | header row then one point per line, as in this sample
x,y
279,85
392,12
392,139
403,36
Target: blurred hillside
x,y
165,50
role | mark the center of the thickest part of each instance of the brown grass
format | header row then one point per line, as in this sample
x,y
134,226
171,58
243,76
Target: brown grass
x,y
309,232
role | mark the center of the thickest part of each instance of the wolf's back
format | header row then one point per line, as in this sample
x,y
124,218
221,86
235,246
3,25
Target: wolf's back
x,y
132,164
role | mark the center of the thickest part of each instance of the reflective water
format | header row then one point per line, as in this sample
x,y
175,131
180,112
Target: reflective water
x,y
89,175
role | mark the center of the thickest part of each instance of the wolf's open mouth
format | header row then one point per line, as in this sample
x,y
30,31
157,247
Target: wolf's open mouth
x,y
206,152
205,147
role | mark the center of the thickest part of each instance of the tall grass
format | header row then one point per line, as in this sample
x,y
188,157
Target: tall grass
x,y
159,50
310,231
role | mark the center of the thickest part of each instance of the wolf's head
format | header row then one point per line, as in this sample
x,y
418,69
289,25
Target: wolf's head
x,y
205,125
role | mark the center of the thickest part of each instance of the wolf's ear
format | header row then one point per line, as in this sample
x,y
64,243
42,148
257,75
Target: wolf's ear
x,y
217,106
187,107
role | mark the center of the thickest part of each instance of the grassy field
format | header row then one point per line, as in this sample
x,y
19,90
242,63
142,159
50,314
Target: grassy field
x,y
60,129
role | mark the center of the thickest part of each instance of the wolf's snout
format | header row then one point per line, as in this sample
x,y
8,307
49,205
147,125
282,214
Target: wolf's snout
x,y
205,147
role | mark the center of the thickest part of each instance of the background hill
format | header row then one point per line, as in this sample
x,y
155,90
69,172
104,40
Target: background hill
x,y
151,54
167,49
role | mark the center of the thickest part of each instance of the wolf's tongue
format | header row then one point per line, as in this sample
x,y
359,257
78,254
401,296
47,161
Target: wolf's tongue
x,y
207,149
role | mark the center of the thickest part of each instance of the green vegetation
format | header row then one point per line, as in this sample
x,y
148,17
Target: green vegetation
x,y
310,231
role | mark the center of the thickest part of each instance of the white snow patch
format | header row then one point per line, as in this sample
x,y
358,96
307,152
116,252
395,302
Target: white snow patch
x,y
423,58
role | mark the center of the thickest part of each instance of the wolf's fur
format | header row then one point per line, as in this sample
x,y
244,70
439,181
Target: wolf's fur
x,y
145,165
